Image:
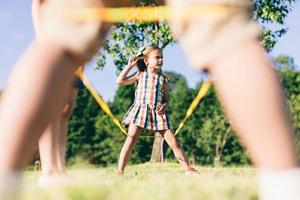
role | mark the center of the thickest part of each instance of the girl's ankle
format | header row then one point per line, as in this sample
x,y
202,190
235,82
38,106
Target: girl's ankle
x,y
120,171
191,171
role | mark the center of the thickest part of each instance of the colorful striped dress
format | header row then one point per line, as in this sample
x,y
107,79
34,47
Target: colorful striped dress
x,y
148,95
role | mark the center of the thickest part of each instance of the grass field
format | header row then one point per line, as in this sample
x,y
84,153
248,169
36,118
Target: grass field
x,y
149,182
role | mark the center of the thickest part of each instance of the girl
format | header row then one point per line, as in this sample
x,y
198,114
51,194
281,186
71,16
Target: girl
x,y
149,110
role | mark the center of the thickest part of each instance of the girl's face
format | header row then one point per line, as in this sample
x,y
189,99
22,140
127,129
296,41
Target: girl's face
x,y
154,60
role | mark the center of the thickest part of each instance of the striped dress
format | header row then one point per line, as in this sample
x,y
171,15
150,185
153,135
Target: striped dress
x,y
148,96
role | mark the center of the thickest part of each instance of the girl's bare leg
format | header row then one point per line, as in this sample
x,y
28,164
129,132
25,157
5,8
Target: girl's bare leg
x,y
52,145
62,139
33,96
48,148
177,150
252,98
133,135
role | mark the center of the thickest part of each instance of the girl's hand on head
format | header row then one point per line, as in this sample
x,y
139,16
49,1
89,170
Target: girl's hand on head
x,y
161,109
132,61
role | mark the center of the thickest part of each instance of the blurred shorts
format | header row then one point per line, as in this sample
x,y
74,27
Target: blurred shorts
x,y
221,24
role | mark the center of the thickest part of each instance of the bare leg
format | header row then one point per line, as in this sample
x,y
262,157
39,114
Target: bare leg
x,y
48,148
62,139
52,145
133,135
172,142
36,87
41,78
251,95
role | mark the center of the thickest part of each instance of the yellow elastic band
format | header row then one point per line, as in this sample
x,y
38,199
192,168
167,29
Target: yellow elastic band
x,y
98,99
203,90
147,14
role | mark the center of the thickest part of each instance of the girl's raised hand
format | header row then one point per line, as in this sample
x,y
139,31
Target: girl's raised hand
x,y
132,61
161,109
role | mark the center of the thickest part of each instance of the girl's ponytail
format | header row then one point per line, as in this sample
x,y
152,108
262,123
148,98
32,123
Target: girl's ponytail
x,y
141,63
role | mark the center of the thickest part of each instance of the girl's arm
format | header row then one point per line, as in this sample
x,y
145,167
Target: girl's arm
x,y
164,106
166,93
123,79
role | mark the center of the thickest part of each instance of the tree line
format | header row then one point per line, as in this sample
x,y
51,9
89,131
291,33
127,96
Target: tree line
x,y
207,137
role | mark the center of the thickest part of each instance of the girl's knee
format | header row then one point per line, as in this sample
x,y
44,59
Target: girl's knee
x,y
132,137
174,144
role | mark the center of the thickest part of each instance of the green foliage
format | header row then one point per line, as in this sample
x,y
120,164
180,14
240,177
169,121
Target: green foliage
x,y
270,37
81,126
95,138
284,62
92,135
126,39
206,135
206,138
290,79
272,12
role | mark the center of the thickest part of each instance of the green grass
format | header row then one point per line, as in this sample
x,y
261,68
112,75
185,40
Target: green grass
x,y
147,182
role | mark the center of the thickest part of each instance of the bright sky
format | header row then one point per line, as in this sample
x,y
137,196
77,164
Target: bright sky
x,y
16,33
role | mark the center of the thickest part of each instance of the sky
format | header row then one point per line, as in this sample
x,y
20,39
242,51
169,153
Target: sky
x,y
16,32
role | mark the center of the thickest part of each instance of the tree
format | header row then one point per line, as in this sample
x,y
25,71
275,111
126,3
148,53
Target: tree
x,y
91,131
208,135
271,12
81,126
206,138
290,78
284,62
127,38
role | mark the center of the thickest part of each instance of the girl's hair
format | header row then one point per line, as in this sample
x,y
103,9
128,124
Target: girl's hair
x,y
143,55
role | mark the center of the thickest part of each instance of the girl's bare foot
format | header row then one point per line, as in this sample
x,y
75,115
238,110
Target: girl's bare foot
x,y
191,171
